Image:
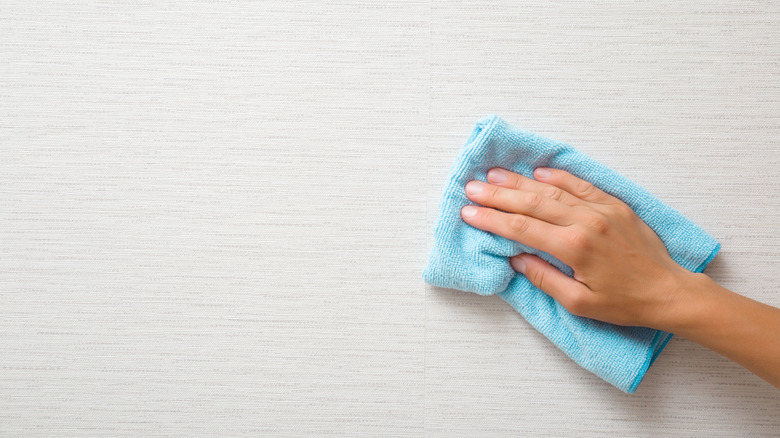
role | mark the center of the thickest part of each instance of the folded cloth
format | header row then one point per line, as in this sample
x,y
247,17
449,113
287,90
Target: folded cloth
x,y
469,259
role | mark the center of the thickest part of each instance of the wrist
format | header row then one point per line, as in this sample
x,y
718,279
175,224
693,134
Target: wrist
x,y
692,304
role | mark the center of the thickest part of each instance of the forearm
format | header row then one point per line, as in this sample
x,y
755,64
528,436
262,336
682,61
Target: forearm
x,y
741,329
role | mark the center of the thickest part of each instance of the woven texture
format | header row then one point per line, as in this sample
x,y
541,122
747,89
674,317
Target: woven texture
x,y
466,258
214,214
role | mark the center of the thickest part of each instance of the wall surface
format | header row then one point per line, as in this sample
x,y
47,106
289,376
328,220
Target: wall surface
x,y
214,214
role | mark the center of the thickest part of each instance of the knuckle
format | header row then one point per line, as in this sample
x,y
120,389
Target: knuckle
x,y
533,201
584,187
577,303
486,215
552,193
490,194
625,211
597,222
518,224
577,240
538,280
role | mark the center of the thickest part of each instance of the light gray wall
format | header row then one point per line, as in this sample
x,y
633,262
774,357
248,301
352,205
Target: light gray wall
x,y
214,215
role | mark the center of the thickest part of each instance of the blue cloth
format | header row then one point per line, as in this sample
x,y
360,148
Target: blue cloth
x,y
469,259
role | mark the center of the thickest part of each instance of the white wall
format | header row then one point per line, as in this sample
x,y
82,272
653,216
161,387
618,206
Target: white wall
x,y
214,215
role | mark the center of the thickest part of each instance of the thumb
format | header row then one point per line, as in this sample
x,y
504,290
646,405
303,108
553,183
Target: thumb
x,y
569,292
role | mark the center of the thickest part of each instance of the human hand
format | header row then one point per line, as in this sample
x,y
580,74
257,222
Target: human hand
x,y
623,273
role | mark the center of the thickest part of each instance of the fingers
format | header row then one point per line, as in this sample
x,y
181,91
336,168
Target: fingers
x,y
524,229
515,201
573,185
504,178
570,293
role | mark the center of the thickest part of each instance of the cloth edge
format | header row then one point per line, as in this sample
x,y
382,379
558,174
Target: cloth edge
x,y
657,351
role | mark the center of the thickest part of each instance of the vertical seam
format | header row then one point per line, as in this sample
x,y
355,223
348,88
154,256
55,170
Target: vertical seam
x,y
427,231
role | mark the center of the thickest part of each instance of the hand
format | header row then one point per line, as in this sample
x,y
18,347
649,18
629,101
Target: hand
x,y
623,273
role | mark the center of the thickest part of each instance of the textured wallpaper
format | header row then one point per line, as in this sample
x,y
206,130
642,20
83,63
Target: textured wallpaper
x,y
214,214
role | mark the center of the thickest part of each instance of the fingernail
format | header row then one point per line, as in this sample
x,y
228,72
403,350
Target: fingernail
x,y
518,264
474,187
497,176
543,173
468,211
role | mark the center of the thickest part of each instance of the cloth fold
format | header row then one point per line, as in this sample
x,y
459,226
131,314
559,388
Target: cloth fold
x,y
473,260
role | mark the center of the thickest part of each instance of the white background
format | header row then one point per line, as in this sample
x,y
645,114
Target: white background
x,y
214,215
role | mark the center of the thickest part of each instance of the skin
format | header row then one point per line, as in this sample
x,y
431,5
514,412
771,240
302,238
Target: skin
x,y
623,273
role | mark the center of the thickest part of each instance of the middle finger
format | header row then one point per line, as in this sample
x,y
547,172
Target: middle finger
x,y
504,178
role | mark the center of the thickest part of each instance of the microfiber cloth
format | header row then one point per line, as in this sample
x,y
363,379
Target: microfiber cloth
x,y
472,260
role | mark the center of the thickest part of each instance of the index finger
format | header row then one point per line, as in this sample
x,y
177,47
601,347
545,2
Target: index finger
x,y
520,228
575,186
